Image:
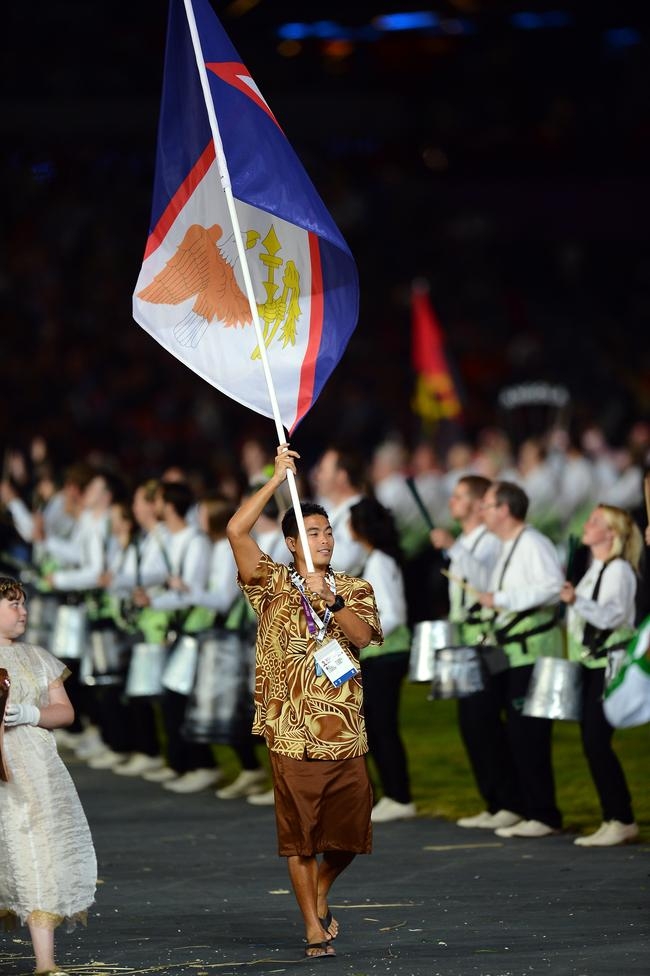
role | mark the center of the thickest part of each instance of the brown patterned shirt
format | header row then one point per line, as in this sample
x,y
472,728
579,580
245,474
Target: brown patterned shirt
x,y
298,713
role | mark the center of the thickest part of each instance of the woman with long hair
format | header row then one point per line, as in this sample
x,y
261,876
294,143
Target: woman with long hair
x,y
384,668
600,623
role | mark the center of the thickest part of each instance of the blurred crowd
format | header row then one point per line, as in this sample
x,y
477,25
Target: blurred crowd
x,y
141,574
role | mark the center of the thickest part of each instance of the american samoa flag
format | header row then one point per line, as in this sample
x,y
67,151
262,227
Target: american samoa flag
x,y
190,294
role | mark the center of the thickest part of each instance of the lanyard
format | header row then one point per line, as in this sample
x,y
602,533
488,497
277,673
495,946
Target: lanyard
x,y
315,625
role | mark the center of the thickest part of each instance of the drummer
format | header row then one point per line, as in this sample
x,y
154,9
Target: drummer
x,y
600,624
523,596
472,556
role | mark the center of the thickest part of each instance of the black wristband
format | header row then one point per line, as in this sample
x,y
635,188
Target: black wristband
x,y
338,604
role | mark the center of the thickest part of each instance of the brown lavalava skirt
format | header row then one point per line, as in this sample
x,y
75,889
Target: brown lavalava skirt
x,y
322,805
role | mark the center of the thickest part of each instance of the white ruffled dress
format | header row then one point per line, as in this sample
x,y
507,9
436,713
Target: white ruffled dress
x,y
48,868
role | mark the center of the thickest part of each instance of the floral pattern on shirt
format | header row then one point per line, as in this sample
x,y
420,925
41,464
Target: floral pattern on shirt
x,y
298,713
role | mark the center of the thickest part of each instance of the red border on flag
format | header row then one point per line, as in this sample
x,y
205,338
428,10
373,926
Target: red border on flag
x,y
180,198
308,368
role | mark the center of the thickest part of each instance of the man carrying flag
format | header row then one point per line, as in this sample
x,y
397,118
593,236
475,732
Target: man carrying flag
x,y
309,700
245,275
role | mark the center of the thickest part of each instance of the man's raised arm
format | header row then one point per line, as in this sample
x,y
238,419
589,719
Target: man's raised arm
x,y
245,549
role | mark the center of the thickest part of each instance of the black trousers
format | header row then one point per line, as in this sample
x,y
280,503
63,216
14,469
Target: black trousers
x,y
499,733
141,720
182,756
484,735
606,770
382,681
113,717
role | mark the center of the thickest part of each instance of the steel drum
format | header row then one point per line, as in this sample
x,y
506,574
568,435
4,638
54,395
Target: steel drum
x,y
144,678
41,615
555,690
221,705
457,673
70,632
429,636
180,669
106,658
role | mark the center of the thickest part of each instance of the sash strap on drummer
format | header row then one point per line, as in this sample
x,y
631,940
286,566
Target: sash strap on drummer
x,y
595,638
504,636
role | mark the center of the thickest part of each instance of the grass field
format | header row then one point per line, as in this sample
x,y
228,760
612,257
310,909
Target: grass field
x,y
443,785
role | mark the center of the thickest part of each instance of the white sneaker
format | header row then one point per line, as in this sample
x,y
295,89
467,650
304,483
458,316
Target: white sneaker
x,y
527,828
610,834
262,799
388,809
91,745
163,775
503,818
490,821
138,764
106,759
248,783
194,781
482,820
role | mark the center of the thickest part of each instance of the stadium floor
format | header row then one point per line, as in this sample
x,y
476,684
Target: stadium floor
x,y
193,885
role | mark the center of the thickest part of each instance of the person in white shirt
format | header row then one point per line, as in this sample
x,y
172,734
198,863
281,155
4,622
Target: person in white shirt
x,y
340,483
143,564
191,766
391,487
523,597
95,541
384,668
223,596
473,556
600,624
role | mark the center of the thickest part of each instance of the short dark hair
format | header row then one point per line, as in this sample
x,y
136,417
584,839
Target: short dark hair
x,y
476,484
507,493
114,484
354,466
290,522
179,495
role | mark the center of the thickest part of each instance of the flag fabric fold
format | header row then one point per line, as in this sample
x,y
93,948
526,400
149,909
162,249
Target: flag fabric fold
x,y
190,293
436,396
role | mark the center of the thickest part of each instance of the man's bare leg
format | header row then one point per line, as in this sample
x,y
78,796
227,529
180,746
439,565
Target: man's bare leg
x,y
333,863
304,874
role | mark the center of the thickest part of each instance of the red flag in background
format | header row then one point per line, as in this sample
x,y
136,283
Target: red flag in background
x,y
435,397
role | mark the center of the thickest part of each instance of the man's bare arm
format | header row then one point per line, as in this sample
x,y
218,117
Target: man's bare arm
x,y
246,551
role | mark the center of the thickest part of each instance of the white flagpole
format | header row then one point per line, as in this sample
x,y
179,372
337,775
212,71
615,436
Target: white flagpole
x,y
241,251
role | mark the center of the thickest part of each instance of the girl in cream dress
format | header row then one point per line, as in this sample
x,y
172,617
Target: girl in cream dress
x,y
48,871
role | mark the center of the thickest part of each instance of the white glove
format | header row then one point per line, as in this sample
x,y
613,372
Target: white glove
x,y
22,715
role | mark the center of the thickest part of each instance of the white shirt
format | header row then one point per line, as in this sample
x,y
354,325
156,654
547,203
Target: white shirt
x,y
96,548
541,487
222,589
349,555
273,544
395,495
533,575
615,604
626,491
385,577
577,486
474,555
189,554
152,570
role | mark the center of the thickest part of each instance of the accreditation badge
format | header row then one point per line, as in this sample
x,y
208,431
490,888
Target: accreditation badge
x,y
337,665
